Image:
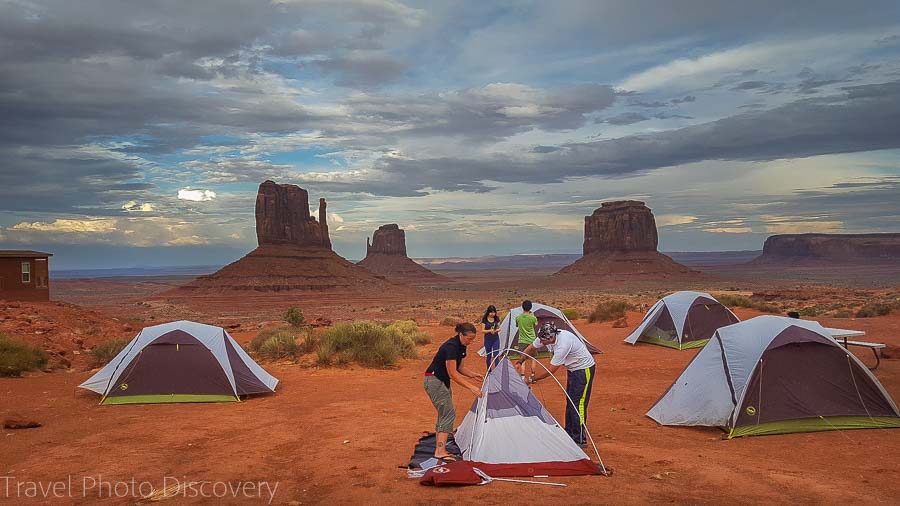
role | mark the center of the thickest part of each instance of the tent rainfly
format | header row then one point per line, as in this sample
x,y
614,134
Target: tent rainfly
x,y
682,320
509,332
508,432
776,375
181,361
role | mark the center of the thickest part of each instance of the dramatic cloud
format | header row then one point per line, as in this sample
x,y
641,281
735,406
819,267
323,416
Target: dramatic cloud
x,y
151,123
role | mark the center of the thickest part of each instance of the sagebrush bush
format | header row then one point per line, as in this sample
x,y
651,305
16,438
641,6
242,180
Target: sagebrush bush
x,y
874,309
608,310
450,321
104,352
410,329
281,345
571,313
294,317
281,342
17,358
369,344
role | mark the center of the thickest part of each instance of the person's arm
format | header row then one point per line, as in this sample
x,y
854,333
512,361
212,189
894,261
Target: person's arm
x,y
466,372
541,375
526,353
460,379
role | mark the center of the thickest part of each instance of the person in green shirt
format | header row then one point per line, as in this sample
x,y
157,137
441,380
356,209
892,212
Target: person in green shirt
x,y
526,323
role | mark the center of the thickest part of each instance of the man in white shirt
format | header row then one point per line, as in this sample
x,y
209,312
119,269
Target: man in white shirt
x,y
569,351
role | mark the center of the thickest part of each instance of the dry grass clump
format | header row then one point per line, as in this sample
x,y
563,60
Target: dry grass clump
x,y
104,352
283,342
571,313
370,344
609,310
17,358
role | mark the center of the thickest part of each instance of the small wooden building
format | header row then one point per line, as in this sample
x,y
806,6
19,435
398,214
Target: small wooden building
x,y
24,275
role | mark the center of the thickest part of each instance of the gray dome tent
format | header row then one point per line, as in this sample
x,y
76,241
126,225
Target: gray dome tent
x,y
180,361
682,320
776,375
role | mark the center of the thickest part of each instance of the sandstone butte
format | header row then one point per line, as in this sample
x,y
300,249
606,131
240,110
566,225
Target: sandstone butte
x,y
620,238
386,256
294,252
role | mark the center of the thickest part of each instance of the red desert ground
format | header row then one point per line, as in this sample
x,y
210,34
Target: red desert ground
x,y
349,405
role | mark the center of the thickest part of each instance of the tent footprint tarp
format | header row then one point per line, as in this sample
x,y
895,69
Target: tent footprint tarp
x,y
181,361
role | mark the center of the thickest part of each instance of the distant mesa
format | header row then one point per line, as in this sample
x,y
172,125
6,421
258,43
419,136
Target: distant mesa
x,y
799,248
620,238
386,256
294,252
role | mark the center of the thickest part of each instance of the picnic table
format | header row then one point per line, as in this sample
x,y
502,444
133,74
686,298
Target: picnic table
x,y
843,334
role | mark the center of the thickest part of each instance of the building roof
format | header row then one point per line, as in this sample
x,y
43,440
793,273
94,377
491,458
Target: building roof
x,y
23,253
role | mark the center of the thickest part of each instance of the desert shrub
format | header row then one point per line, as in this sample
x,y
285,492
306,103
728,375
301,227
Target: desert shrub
x,y
810,312
740,301
571,313
608,310
282,342
17,358
294,317
281,345
874,309
410,329
368,344
449,321
308,342
842,314
104,352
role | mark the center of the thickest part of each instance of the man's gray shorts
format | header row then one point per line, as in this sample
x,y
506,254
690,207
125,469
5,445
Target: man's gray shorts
x,y
443,402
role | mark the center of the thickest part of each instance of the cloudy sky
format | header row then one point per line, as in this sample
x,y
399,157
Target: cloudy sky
x,y
136,132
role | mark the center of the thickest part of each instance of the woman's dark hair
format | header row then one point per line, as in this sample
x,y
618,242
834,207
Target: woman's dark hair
x,y
465,328
487,312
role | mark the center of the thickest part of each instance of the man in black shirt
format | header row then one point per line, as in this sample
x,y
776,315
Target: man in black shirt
x,y
448,365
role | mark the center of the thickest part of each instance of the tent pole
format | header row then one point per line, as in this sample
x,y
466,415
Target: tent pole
x,y
487,479
584,425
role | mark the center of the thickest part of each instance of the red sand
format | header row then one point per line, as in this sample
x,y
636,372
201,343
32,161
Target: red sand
x,y
338,435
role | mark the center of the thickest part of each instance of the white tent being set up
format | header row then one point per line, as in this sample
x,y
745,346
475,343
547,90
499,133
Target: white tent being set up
x,y
776,375
508,432
180,361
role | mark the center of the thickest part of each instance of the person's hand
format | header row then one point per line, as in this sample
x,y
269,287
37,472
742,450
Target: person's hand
x,y
476,391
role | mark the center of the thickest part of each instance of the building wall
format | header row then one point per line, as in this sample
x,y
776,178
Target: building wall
x,y
11,285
